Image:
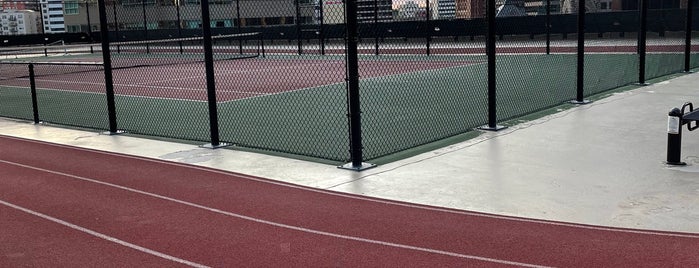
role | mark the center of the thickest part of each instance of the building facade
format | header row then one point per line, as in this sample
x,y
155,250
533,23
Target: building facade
x,y
17,22
446,9
52,16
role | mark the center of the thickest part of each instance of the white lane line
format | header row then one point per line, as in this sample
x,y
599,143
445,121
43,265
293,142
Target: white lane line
x,y
370,199
276,224
103,236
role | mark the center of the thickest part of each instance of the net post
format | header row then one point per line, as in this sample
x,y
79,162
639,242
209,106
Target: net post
x,y
35,103
354,112
107,61
490,51
580,81
688,37
643,27
210,80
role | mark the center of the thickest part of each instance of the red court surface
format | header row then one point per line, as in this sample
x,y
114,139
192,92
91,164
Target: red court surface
x,y
63,206
235,79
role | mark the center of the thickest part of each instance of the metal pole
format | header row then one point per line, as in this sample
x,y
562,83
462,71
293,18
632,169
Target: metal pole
x,y
107,60
89,24
492,79
210,81
237,11
145,25
376,31
354,108
579,99
427,22
321,31
688,37
298,26
179,25
642,41
32,85
116,23
548,27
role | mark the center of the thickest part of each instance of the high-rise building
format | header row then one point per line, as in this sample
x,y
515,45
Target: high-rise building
x,y
52,14
467,9
446,9
370,10
538,7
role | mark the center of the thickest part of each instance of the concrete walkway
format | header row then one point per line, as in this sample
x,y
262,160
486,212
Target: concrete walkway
x,y
598,164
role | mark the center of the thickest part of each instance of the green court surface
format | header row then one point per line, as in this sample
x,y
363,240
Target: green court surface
x,y
399,111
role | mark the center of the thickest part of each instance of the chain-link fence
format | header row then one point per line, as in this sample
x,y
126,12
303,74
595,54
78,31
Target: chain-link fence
x,y
307,77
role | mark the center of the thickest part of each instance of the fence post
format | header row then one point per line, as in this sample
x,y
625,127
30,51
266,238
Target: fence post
x,y
688,37
145,25
548,27
321,30
298,27
237,12
354,112
89,25
429,28
116,22
643,27
107,61
179,25
210,80
376,26
32,86
580,87
492,80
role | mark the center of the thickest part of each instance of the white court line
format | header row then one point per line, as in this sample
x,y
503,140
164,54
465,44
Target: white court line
x,y
276,224
103,236
381,201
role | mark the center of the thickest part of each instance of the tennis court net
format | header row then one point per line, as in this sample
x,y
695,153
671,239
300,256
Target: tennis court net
x,y
67,59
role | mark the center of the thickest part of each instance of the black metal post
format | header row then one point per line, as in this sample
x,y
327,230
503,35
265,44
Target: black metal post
x,y
643,6
674,138
145,25
354,108
298,27
376,25
321,31
688,37
107,61
89,24
492,79
580,87
116,23
237,16
210,80
87,13
179,25
32,86
548,27
429,28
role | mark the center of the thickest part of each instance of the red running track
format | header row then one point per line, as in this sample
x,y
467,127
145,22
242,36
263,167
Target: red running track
x,y
65,206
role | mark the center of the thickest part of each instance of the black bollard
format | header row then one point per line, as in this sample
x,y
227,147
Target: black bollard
x,y
674,138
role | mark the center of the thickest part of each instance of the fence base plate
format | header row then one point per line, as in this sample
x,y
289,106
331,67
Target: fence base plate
x,y
583,102
488,128
211,146
363,167
118,132
676,163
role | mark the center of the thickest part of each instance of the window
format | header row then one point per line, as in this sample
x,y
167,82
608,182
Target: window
x,y
71,8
